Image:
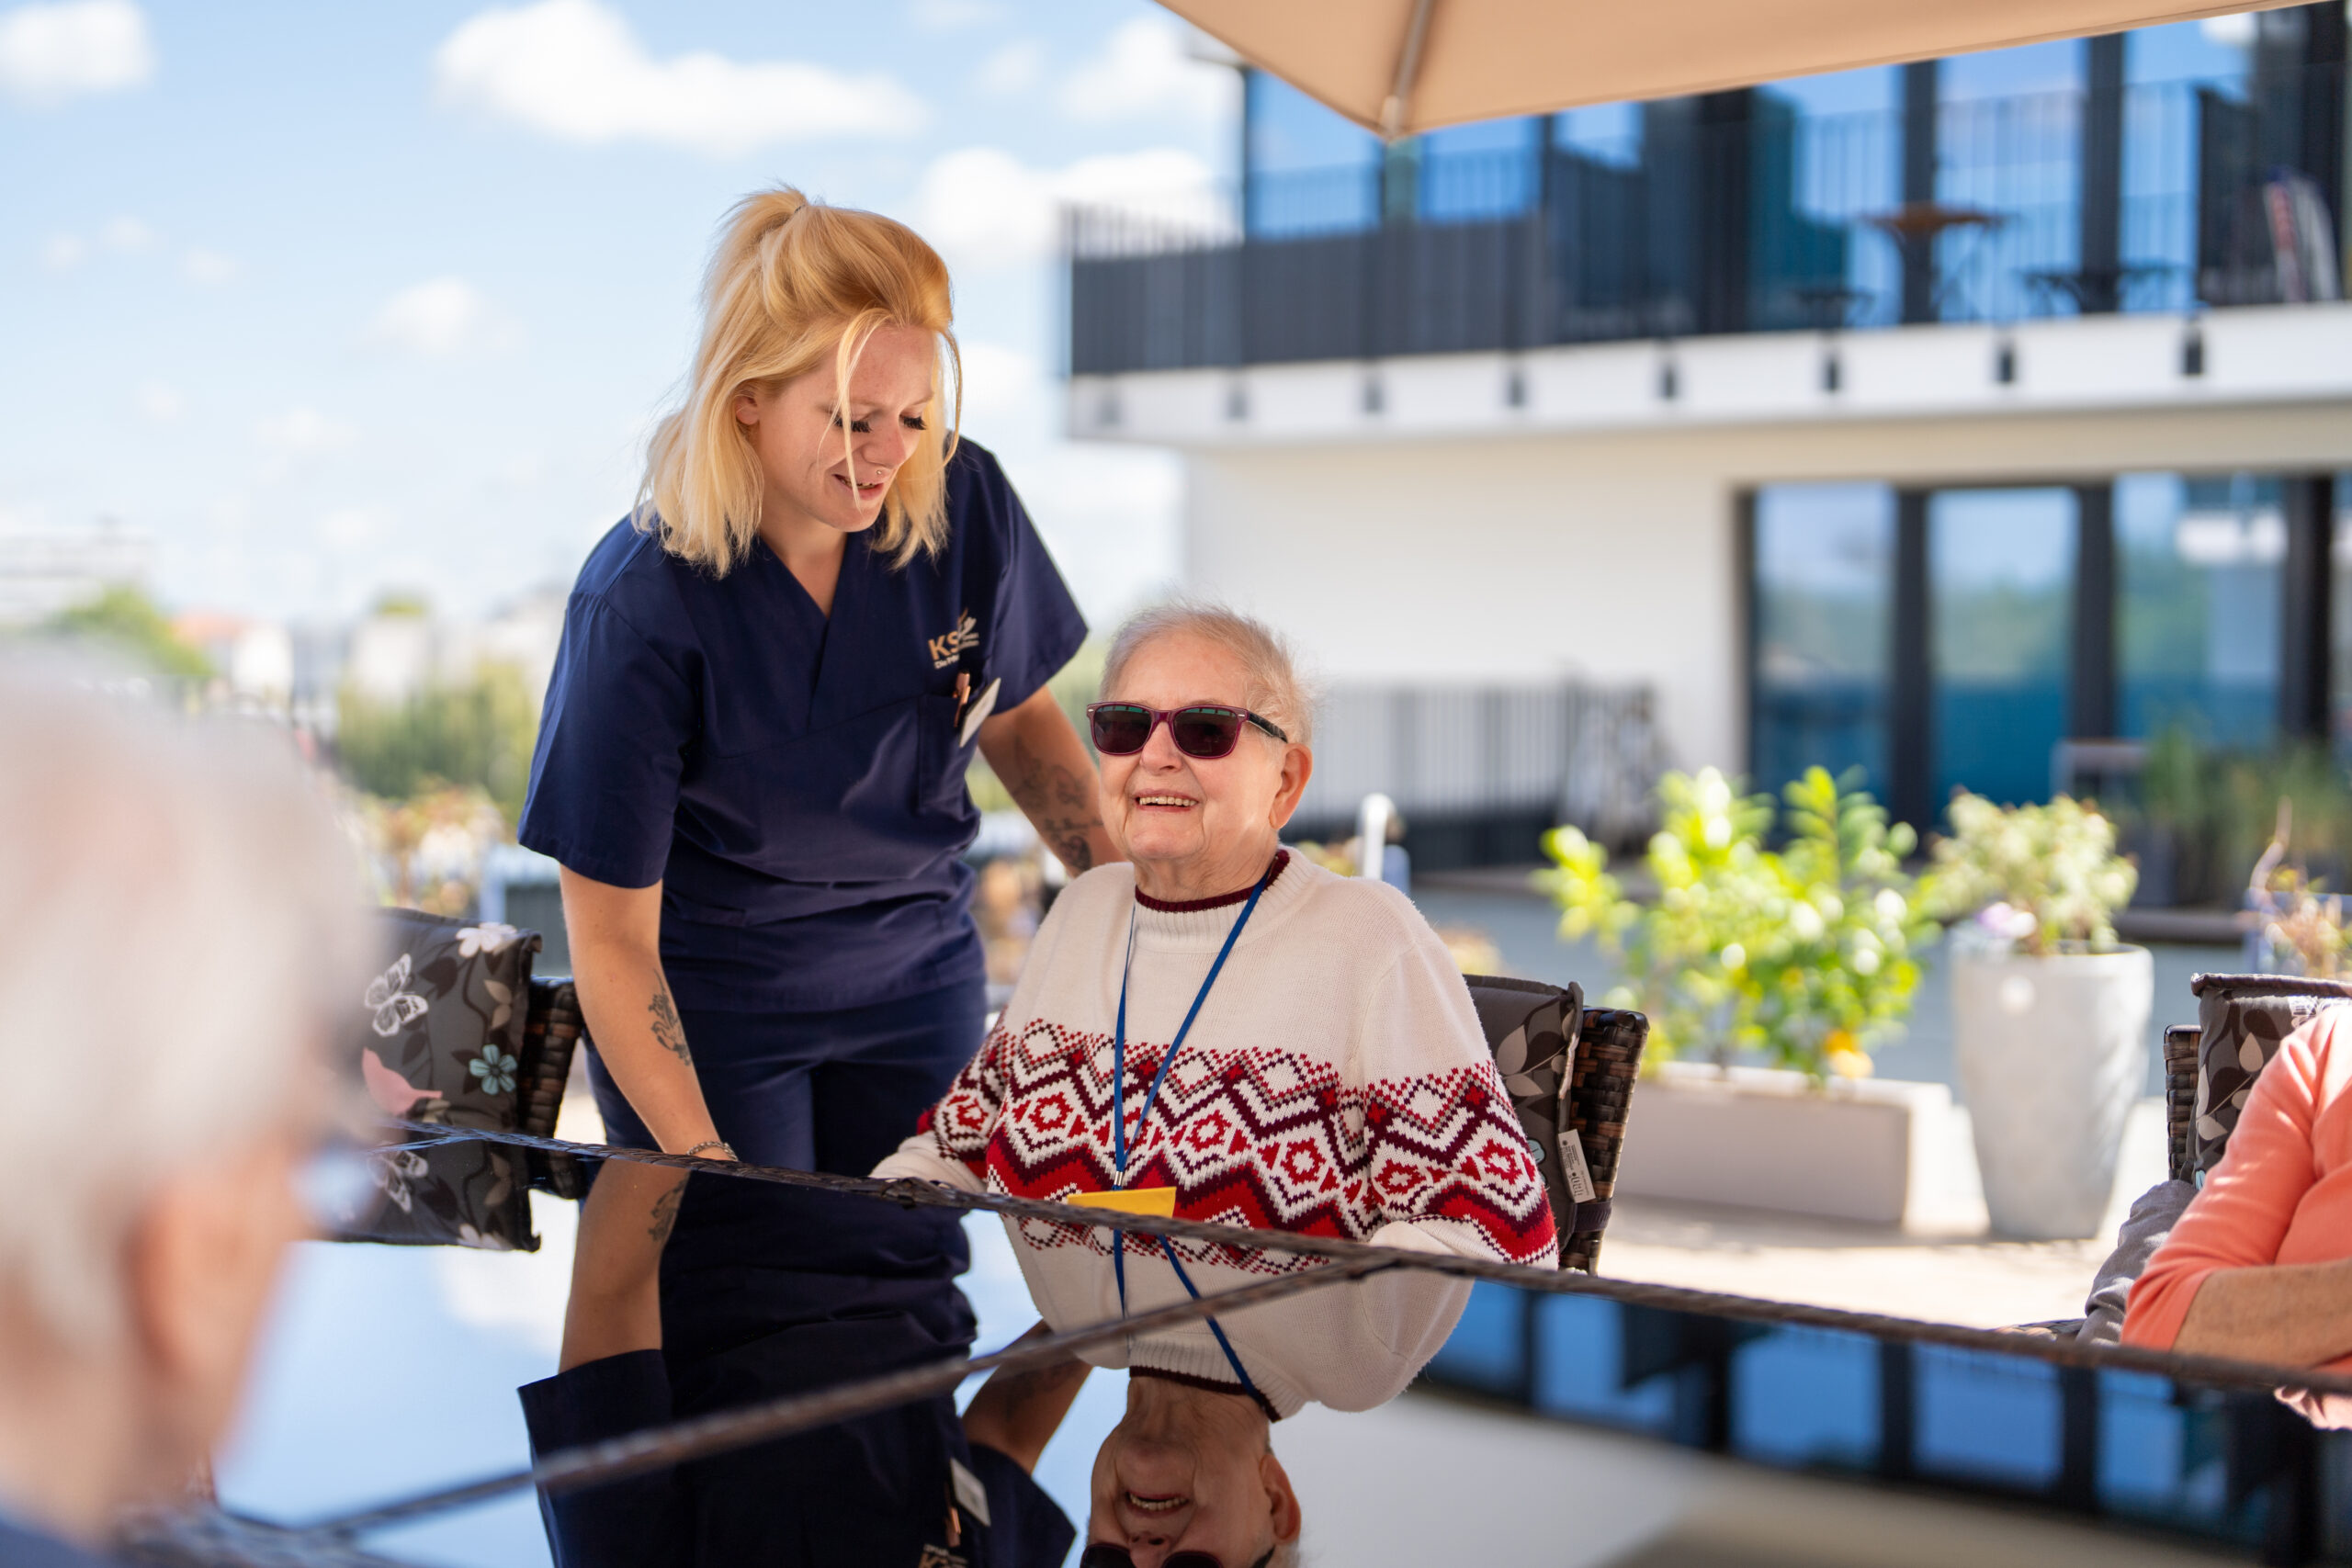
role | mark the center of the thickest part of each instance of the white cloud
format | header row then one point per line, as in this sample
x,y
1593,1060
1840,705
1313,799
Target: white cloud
x,y
160,401
127,233
62,253
574,70
2233,31
209,267
1013,69
1001,384
440,318
955,16
301,430
985,206
49,54
349,527
1143,70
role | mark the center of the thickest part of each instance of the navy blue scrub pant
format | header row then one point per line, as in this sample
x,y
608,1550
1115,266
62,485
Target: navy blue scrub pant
x,y
768,1292
833,1092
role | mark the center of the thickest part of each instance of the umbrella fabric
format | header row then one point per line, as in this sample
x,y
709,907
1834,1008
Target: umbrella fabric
x,y
1482,59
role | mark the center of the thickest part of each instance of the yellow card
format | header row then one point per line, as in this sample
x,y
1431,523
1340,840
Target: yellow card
x,y
1159,1201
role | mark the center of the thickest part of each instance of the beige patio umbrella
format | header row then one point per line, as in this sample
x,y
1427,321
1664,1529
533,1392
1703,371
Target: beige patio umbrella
x,y
1401,66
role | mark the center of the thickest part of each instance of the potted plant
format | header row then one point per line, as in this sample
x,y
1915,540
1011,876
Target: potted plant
x,y
1801,957
2050,1012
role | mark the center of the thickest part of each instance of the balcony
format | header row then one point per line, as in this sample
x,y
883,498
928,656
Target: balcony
x,y
1734,213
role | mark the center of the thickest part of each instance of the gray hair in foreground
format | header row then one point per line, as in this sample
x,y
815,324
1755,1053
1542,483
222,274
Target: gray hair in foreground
x,y
183,921
1275,687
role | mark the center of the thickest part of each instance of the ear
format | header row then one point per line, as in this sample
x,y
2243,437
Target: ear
x,y
1299,766
746,409
200,1262
1282,1502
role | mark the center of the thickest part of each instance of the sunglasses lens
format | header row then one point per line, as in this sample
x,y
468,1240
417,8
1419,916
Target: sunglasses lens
x,y
1120,731
1105,1557
1189,1560
1205,732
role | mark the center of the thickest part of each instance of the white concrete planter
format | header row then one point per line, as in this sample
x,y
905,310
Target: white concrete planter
x,y
1761,1138
2052,1053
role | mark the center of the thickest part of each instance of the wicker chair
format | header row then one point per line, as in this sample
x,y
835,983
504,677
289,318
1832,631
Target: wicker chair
x,y
2210,1070
553,1032
1534,1027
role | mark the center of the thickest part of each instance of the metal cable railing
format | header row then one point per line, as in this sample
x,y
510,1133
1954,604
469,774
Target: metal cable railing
x,y
212,1537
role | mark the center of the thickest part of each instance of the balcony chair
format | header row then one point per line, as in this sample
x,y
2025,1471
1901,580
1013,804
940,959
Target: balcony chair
x,y
1575,1123
2208,1072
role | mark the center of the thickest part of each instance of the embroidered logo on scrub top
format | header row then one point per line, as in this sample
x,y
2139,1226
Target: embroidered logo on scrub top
x,y
948,646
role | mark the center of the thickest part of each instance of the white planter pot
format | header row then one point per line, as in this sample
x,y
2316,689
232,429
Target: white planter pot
x,y
1759,1138
2052,1053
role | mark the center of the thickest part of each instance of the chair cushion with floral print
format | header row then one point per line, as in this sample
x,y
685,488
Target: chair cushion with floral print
x,y
2242,1020
439,1037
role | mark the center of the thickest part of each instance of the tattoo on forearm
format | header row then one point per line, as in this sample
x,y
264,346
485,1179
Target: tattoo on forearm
x,y
1022,1392
1058,802
665,1214
668,1032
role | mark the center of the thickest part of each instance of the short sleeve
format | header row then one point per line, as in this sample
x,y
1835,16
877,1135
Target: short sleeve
x,y
604,795
1038,627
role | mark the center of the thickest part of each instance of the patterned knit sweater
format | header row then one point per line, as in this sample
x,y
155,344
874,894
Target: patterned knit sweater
x,y
1336,1084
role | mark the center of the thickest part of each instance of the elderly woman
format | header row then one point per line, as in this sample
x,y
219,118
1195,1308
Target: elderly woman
x,y
1223,1031
182,932
2260,1266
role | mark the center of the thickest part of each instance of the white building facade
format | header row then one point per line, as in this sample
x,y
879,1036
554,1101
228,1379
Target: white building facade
x,y
1867,438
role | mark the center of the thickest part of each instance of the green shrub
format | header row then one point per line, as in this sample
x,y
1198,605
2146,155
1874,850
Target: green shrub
x,y
2038,876
1804,954
126,623
476,736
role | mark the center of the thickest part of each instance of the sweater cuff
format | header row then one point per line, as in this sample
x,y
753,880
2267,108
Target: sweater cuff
x,y
922,1165
1456,1238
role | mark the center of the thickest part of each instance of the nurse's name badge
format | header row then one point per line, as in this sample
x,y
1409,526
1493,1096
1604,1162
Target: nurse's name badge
x,y
1159,1201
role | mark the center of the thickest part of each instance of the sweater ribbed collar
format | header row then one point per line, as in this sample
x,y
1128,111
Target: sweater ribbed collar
x,y
1193,905
1201,924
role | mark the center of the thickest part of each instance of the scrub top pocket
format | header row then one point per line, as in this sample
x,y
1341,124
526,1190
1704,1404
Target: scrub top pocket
x,y
942,760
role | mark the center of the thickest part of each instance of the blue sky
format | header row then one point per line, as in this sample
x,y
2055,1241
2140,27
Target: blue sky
x,y
332,300
337,298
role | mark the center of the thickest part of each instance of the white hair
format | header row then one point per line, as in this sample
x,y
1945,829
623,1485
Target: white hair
x,y
183,919
1274,688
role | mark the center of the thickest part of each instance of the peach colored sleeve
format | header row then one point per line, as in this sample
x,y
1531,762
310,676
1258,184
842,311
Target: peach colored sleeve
x,y
2240,1217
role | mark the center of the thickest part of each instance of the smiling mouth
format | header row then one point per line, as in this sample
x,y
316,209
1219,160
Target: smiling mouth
x,y
842,481
1167,802
1143,1505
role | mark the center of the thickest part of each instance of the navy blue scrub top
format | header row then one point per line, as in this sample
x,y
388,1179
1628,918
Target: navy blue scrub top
x,y
793,781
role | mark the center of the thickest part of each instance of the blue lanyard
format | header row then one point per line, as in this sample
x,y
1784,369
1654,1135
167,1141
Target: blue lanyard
x,y
1119,1035
1119,1122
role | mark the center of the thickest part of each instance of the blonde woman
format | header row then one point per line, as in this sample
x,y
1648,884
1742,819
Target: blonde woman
x,y
751,767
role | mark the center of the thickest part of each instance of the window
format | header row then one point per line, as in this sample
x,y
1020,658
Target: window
x,y
2000,588
1823,580
2198,568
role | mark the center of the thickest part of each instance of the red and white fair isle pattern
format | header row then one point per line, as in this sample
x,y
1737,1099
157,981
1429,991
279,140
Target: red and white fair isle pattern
x,y
1251,1137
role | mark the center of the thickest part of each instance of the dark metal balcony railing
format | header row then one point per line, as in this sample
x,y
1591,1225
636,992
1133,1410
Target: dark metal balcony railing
x,y
1734,214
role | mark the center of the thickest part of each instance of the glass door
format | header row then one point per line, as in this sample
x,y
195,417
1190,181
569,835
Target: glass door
x,y
2000,590
1824,581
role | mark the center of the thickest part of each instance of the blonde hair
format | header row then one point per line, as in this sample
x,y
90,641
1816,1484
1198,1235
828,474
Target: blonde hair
x,y
793,281
1274,688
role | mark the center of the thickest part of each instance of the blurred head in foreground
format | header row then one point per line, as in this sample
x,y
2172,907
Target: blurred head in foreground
x,y
182,920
